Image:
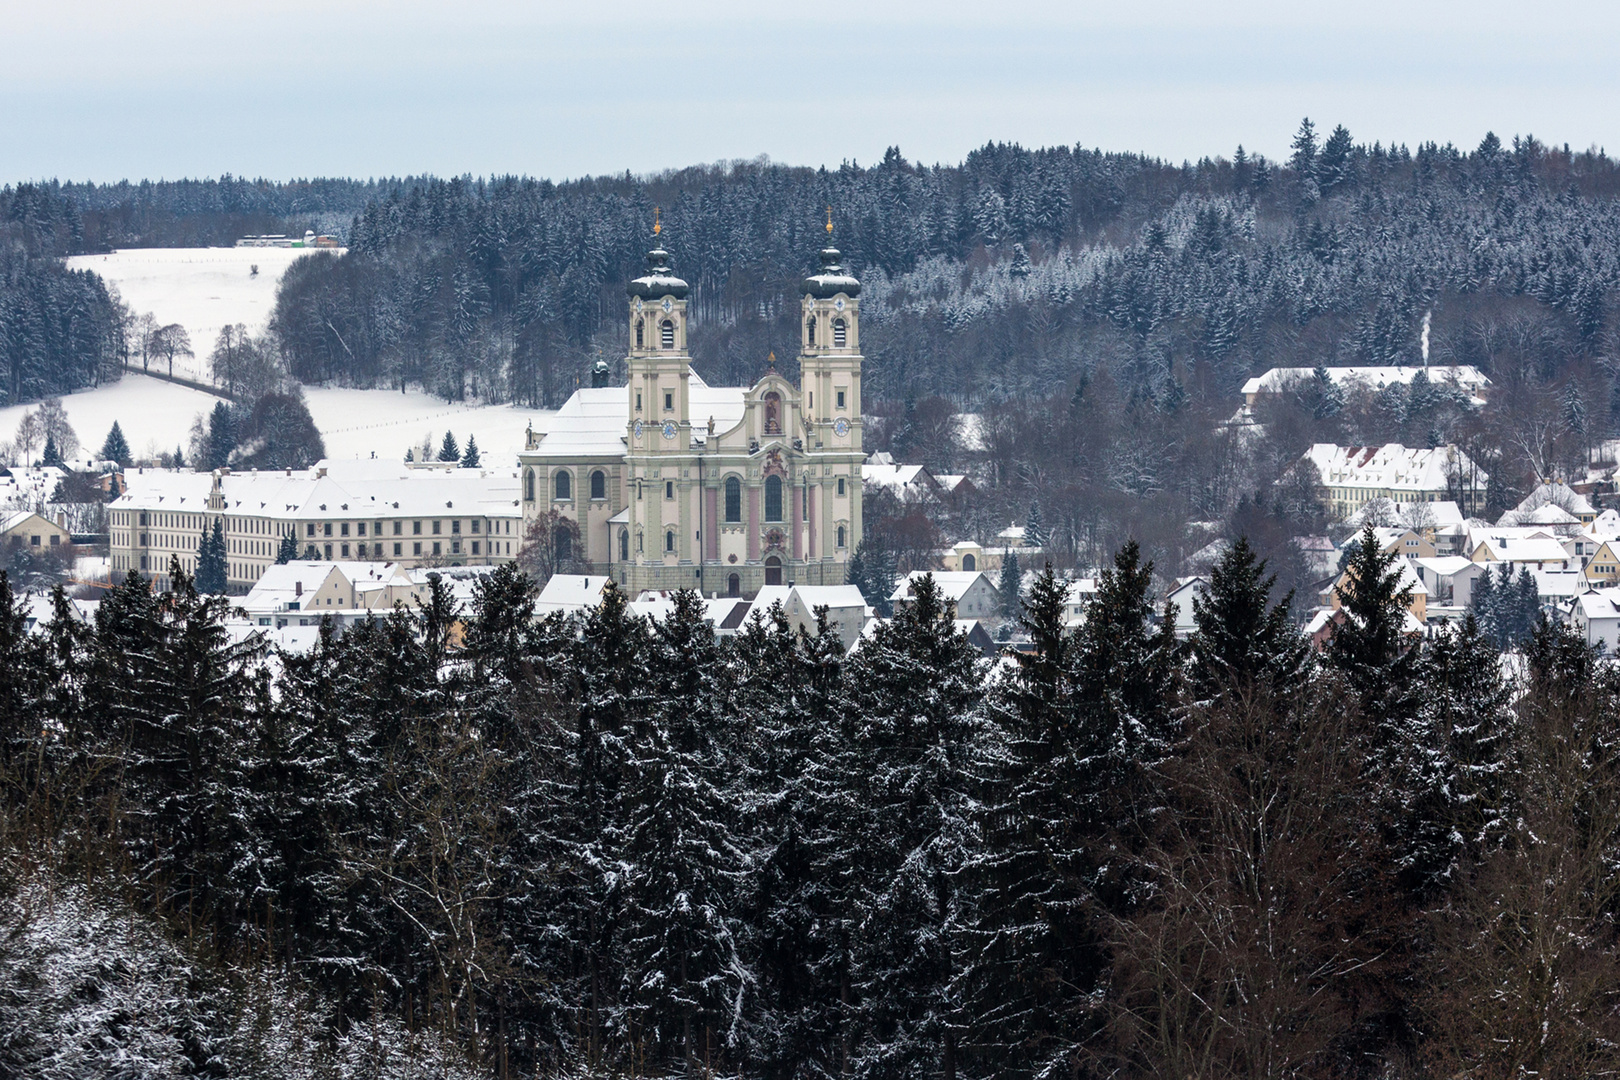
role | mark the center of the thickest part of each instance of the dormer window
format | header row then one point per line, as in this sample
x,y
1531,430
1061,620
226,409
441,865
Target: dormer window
x,y
666,334
840,334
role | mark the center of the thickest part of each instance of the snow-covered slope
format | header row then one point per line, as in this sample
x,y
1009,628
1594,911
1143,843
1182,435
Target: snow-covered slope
x,y
202,289
156,416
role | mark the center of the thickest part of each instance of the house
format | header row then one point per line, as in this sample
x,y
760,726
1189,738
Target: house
x,y
22,528
1603,568
1182,596
1450,579
965,557
569,593
908,483
846,607
1539,551
1596,616
1080,592
1556,503
1397,541
1355,475
973,594
303,592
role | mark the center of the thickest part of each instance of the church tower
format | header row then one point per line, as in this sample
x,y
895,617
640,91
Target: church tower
x,y
830,392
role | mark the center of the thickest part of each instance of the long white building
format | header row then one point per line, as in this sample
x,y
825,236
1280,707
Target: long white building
x,y
339,510
1355,475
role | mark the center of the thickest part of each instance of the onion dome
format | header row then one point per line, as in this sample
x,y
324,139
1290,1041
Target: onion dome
x,y
832,280
660,280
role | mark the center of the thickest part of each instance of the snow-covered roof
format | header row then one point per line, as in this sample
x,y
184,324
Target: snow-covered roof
x,y
1391,467
952,584
896,477
1445,565
1559,584
1276,380
1599,604
331,489
1606,526
1559,495
570,592
832,596
594,420
1521,549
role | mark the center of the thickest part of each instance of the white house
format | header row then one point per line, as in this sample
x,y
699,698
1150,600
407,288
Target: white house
x,y
569,593
1597,616
1182,596
973,594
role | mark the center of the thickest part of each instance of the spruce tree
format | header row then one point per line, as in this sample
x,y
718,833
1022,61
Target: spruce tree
x,y
52,457
287,550
1009,585
1034,531
116,447
1371,646
684,977
221,441
1242,640
1467,708
211,552
471,460
1033,958
448,450
915,690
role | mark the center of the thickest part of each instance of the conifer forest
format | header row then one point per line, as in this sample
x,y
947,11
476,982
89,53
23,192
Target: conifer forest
x,y
481,843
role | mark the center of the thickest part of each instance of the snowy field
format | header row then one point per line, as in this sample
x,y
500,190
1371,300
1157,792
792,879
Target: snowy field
x,y
156,416
202,289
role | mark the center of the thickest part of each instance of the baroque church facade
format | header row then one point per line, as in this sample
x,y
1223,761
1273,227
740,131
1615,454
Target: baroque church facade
x,y
673,483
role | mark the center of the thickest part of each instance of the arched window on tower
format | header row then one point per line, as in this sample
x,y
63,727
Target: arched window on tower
x,y
773,413
810,331
669,540
564,485
773,498
598,484
624,545
840,333
528,488
666,334
733,499
563,545
841,536
734,585
641,333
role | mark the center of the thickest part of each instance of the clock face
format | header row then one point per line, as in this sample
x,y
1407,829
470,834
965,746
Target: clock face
x,y
839,303
840,427
638,305
669,429
667,304
640,427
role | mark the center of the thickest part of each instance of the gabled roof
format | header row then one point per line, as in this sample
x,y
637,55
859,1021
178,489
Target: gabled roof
x,y
1521,548
952,584
570,592
1276,380
1391,467
593,421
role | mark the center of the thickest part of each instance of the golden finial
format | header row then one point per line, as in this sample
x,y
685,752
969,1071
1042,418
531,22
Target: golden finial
x,y
658,226
770,360
829,221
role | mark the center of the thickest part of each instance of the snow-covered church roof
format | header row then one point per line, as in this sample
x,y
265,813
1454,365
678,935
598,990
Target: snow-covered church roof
x,y
592,422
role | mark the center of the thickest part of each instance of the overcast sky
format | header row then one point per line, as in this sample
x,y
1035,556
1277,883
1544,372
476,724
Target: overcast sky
x,y
167,88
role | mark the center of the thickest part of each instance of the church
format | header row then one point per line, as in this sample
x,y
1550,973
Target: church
x,y
674,483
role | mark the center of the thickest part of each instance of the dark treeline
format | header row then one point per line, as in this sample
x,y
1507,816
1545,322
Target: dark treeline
x,y
1012,275
60,329
598,844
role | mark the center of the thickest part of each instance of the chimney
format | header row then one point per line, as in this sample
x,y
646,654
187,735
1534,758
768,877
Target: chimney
x,y
298,588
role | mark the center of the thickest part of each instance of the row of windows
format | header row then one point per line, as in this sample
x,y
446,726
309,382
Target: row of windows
x,y
562,485
376,550
564,543
325,528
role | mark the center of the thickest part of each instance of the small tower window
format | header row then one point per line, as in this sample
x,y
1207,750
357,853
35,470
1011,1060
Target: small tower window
x,y
669,489
669,540
840,485
773,498
598,484
669,402
840,334
564,486
624,545
528,492
840,399
810,331
666,334
641,333
841,536
733,499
